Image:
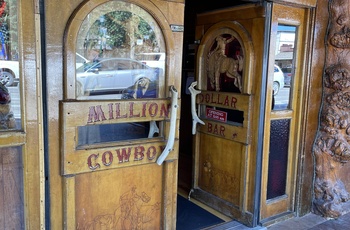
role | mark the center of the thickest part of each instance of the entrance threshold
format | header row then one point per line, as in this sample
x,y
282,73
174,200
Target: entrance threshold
x,y
193,214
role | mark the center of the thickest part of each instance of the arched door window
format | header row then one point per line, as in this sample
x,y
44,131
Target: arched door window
x,y
120,54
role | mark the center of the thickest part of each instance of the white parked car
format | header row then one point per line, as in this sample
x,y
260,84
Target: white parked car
x,y
80,60
113,75
9,72
154,60
278,80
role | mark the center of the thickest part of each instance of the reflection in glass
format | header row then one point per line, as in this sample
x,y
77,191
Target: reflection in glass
x,y
278,158
10,111
11,184
120,52
283,69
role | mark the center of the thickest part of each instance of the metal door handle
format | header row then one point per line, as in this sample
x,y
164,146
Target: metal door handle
x,y
171,137
195,118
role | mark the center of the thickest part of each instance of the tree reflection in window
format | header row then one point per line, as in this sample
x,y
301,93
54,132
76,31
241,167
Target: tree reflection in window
x,y
119,30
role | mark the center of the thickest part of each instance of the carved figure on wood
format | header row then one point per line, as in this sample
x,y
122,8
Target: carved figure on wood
x,y
133,212
332,144
219,63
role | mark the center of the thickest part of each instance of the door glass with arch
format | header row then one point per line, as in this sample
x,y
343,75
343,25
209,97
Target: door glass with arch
x,y
120,54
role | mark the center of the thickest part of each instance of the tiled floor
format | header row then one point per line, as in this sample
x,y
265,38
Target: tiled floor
x,y
308,222
315,222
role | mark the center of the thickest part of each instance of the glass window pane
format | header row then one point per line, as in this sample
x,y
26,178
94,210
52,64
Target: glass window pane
x,y
283,68
94,134
10,111
278,158
11,184
120,54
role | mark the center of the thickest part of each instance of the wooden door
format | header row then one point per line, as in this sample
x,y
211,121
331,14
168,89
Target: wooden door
x,y
225,109
283,120
22,182
118,117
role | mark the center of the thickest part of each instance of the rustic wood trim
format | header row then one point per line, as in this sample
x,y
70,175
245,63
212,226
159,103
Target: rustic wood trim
x,y
242,12
298,3
226,130
196,148
170,194
303,193
30,137
331,145
226,208
69,203
297,17
12,139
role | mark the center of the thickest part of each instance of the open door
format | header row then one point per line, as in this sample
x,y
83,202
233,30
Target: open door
x,y
247,109
223,105
118,118
285,100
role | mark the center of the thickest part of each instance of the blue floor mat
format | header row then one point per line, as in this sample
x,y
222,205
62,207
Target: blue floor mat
x,y
190,216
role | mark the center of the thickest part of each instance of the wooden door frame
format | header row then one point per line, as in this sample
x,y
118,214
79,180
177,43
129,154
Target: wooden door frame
x,y
62,84
296,114
29,138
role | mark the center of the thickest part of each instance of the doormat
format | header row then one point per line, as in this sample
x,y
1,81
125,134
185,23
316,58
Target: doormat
x,y
191,217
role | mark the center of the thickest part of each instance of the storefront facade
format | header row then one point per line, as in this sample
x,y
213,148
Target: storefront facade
x,y
94,92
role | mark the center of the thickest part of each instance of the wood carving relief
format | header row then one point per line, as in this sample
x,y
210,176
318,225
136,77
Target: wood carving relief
x,y
134,211
332,143
225,64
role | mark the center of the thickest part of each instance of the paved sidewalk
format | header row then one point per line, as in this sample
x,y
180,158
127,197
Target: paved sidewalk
x,y
315,222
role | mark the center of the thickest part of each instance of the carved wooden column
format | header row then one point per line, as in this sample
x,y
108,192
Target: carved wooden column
x,y
331,148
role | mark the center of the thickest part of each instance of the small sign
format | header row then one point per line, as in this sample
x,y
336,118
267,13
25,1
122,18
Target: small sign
x,y
216,115
177,28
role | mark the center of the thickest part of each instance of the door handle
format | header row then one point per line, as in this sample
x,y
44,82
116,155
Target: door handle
x,y
195,118
153,128
171,137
